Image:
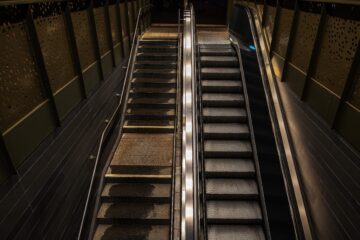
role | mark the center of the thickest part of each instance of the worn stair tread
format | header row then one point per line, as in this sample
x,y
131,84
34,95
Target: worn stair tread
x,y
221,83
160,123
223,99
212,72
154,71
233,211
150,111
161,42
235,232
231,188
224,112
219,61
138,80
131,231
227,148
225,130
138,170
134,210
229,167
153,90
144,64
216,51
142,190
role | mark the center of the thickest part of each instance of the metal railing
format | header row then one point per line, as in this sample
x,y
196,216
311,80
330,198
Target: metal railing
x,y
118,112
189,218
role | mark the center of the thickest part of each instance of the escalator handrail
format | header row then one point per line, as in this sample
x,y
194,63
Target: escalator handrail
x,y
111,122
189,211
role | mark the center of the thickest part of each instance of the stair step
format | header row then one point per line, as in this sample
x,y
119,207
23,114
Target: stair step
x,y
149,113
220,73
229,167
233,212
146,192
131,231
150,123
155,64
218,86
148,129
212,114
156,57
235,232
157,48
231,188
154,73
155,92
212,51
227,148
219,61
223,100
134,212
158,42
162,103
133,178
226,131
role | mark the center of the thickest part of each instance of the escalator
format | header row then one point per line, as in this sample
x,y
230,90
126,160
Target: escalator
x,y
137,198
238,154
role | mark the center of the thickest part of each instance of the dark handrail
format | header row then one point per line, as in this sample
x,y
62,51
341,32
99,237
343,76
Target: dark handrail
x,y
120,107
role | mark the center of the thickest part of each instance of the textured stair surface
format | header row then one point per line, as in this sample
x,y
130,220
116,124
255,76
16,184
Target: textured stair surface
x,y
232,197
136,196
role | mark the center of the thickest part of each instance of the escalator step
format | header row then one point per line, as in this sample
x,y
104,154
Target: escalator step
x,y
162,92
227,148
158,42
163,103
223,100
218,73
134,212
229,167
154,73
155,64
131,231
231,188
219,61
156,57
233,212
157,48
146,192
207,51
218,86
235,232
224,114
150,113
226,131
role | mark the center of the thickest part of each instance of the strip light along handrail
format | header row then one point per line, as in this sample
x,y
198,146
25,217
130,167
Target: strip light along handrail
x,y
189,154
110,123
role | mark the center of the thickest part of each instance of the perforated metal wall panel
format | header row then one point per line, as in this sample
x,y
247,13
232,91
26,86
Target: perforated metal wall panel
x,y
338,46
115,34
99,14
54,45
20,85
270,21
355,95
84,43
283,32
304,38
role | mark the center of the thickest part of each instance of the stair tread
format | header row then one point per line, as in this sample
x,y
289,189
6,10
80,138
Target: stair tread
x,y
217,51
148,190
225,128
221,83
228,146
144,100
134,210
131,231
239,188
151,111
246,211
160,123
219,70
224,112
235,232
229,166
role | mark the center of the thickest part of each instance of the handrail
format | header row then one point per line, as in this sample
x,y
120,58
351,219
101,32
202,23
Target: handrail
x,y
189,211
176,125
110,123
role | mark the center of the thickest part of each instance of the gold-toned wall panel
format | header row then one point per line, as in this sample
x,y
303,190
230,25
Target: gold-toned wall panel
x,y
114,24
55,49
283,33
304,37
270,21
355,95
20,85
123,19
337,48
85,45
99,14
